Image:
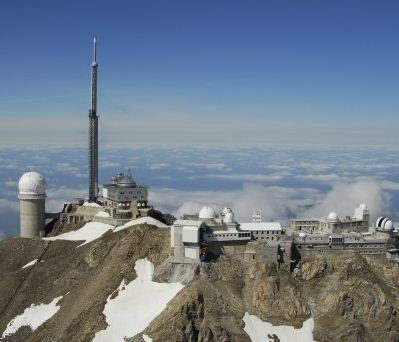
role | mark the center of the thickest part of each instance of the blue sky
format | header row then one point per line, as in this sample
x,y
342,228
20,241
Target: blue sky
x,y
327,68
291,106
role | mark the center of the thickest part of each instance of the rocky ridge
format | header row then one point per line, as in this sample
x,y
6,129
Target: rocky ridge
x,y
350,297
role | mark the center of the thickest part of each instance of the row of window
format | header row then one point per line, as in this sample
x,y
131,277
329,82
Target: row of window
x,y
307,222
263,238
241,235
129,192
262,232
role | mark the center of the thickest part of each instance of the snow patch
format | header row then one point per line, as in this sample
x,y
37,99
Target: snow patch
x,y
30,263
91,205
259,331
147,338
88,233
33,316
136,304
142,220
102,214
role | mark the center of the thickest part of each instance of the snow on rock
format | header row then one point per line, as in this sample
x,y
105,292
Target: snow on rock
x,y
102,214
33,316
30,263
88,233
91,205
141,220
147,338
258,330
136,304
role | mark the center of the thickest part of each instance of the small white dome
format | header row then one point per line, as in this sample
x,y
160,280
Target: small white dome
x,y
226,210
302,235
229,217
207,213
32,183
332,216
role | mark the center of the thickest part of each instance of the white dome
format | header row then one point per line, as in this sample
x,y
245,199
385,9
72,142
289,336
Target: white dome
x,y
384,223
207,213
388,225
302,235
332,216
32,183
229,218
226,210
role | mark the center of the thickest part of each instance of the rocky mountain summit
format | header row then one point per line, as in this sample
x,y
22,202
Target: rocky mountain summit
x,y
349,297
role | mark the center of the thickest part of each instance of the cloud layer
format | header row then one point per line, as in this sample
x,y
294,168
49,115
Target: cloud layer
x,y
281,183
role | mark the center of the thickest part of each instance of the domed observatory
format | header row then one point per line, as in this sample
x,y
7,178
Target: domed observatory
x,y
207,213
384,227
32,194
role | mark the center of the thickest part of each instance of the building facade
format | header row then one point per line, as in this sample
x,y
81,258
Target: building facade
x,y
333,224
208,235
123,192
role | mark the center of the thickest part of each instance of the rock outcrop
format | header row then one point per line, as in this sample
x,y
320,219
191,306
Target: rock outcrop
x,y
350,297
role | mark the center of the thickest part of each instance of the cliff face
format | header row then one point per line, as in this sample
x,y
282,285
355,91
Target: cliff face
x,y
350,298
84,276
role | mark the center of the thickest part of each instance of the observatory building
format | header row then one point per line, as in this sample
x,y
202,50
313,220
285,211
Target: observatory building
x,y
209,235
122,192
32,194
359,222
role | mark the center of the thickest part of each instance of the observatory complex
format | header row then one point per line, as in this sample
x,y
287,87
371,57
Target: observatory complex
x,y
208,234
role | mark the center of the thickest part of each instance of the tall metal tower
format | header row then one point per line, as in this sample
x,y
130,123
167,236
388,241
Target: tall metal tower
x,y
93,130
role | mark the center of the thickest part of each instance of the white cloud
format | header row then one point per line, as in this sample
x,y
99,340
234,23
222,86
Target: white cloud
x,y
275,203
65,167
106,164
11,184
390,186
245,177
331,177
8,205
216,166
157,166
278,203
345,197
56,197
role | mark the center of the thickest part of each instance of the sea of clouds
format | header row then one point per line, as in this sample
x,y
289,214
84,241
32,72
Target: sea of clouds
x,y
280,183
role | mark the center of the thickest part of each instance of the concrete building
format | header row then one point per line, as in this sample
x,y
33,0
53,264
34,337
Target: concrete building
x,y
380,238
32,194
207,235
123,192
333,224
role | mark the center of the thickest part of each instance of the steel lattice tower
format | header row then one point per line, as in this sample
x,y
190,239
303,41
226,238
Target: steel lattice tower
x,y
93,130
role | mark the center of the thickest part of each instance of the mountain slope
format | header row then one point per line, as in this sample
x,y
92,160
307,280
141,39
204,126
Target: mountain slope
x,y
349,297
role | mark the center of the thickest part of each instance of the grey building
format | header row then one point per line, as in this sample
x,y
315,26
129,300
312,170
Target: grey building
x,y
333,224
211,235
123,192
